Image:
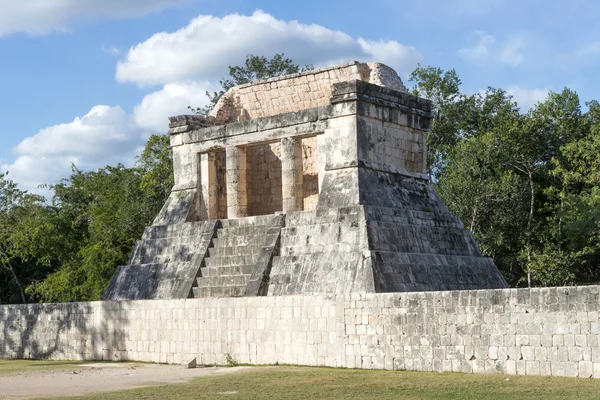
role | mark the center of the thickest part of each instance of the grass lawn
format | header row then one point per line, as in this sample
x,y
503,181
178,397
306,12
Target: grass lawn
x,y
286,382
14,366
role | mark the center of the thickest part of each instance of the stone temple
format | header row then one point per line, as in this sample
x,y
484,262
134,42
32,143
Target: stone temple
x,y
311,183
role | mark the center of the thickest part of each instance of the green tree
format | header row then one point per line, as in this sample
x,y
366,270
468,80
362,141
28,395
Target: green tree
x,y
453,113
23,238
570,252
95,219
156,165
477,185
100,214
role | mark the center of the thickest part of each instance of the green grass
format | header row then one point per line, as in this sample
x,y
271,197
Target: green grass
x,y
16,366
328,383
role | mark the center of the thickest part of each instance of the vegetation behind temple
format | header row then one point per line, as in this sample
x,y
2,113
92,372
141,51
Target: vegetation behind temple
x,y
525,182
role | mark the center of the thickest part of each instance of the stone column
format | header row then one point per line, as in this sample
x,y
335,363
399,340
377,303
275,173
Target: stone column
x,y
324,148
237,201
291,174
208,186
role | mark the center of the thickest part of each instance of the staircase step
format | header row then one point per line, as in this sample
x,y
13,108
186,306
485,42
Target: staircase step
x,y
228,251
259,220
235,241
227,270
223,281
241,231
234,251
229,291
230,260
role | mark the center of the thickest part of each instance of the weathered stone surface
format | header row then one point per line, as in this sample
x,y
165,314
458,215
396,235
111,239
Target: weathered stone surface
x,y
347,165
240,257
184,123
304,90
164,264
341,152
479,331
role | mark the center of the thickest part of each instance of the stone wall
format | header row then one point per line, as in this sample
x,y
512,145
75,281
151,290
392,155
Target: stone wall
x,y
542,331
392,146
300,91
263,179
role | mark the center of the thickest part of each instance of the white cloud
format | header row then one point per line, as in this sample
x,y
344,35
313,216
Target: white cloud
x,y
208,45
481,49
486,47
402,58
173,99
527,98
104,136
511,52
186,63
40,17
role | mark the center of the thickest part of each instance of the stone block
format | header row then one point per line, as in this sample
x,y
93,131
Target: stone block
x,y
586,369
190,364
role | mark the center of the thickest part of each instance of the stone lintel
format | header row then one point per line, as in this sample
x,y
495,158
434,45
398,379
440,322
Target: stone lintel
x,y
264,124
271,126
343,91
185,123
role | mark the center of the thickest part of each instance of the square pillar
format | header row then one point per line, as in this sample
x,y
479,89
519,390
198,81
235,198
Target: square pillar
x,y
237,201
208,186
324,148
291,174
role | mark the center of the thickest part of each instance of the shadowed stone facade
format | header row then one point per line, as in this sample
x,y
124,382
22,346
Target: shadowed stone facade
x,y
312,183
537,331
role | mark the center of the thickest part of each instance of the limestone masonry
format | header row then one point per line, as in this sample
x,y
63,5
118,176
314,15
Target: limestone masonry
x,y
296,205
311,183
541,331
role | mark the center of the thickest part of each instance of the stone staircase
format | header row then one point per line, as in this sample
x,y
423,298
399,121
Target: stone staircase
x,y
237,252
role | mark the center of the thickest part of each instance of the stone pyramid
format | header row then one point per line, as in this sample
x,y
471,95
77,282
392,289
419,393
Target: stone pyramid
x,y
303,184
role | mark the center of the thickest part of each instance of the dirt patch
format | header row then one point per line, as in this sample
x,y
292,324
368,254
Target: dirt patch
x,y
94,378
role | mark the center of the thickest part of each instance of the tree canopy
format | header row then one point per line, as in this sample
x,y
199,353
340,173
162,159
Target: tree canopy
x,y
525,182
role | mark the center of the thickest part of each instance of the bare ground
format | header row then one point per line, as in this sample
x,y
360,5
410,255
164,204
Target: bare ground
x,y
94,378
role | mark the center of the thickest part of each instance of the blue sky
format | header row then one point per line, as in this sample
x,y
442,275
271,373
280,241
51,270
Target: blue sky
x,y
86,81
